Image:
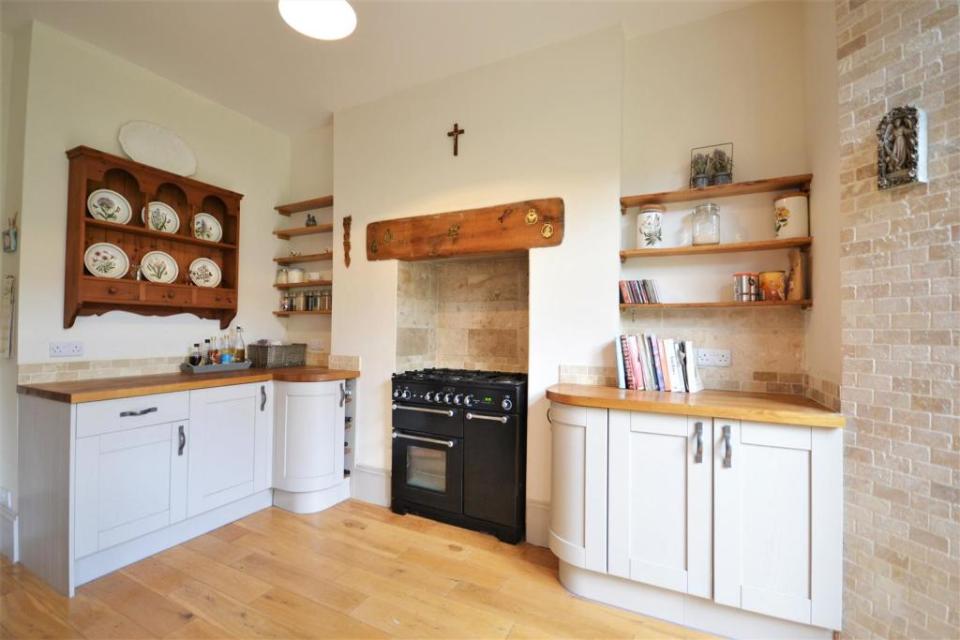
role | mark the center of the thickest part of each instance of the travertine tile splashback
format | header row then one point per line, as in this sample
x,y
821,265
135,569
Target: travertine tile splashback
x,y
470,314
766,345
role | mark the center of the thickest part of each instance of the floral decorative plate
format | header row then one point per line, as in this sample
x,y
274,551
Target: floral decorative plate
x,y
160,216
104,204
206,227
204,272
158,266
105,260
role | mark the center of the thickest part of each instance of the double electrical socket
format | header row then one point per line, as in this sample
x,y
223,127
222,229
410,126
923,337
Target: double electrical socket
x,y
713,357
66,349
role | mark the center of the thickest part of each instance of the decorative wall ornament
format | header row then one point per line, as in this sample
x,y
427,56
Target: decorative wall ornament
x,y
155,145
347,222
10,235
902,147
455,133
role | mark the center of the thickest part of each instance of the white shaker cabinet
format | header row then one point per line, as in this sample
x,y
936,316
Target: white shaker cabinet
x,y
308,447
778,520
129,483
578,520
229,444
660,500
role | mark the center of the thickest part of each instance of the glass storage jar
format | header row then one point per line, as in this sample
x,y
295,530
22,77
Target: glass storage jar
x,y
706,224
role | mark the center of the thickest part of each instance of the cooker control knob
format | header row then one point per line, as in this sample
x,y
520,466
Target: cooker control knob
x,y
428,396
396,393
469,400
507,403
458,399
448,398
437,397
405,394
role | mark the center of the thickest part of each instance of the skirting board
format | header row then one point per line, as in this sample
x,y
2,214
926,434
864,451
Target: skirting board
x,y
538,523
9,535
682,609
370,484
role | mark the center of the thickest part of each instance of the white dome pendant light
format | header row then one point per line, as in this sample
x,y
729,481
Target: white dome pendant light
x,y
320,19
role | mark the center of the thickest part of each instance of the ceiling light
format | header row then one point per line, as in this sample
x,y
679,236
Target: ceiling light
x,y
320,19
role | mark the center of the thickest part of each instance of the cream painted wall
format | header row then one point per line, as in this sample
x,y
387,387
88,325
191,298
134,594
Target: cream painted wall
x,y
734,77
542,124
311,175
67,105
823,348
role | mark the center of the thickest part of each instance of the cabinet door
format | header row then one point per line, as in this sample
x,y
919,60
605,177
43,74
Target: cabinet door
x,y
578,514
778,512
660,500
230,444
129,483
308,441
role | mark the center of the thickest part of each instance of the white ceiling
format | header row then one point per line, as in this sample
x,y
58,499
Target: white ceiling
x,y
242,55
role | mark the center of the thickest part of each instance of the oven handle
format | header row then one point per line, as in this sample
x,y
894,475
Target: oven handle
x,y
448,443
477,416
440,412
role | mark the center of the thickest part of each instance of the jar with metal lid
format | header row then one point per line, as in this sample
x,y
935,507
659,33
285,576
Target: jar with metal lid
x,y
706,224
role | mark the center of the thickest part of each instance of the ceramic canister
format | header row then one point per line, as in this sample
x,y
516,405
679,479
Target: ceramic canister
x,y
295,275
772,285
790,213
649,226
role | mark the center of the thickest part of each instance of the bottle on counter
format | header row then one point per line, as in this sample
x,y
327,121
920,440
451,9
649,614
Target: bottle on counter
x,y
195,356
206,356
214,350
239,348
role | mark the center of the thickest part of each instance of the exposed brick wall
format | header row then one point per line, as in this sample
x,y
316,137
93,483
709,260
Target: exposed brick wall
x,y
901,309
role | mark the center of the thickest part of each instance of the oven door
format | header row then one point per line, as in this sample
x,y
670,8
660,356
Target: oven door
x,y
428,470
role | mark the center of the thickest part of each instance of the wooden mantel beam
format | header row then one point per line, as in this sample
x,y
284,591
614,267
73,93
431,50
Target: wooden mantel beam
x,y
516,226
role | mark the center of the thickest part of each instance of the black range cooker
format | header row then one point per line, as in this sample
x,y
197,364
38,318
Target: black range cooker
x,y
459,448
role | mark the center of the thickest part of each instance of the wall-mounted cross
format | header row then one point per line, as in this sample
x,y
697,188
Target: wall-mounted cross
x,y
455,133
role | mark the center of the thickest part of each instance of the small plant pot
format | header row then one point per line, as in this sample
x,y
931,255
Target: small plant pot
x,y
722,178
699,182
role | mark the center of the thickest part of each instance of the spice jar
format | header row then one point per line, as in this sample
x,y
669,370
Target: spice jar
x,y
706,224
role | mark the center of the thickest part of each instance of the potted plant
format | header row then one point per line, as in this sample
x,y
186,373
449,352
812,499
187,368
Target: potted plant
x,y
699,171
721,167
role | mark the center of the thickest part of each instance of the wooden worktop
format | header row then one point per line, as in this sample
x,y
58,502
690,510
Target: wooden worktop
x,y
733,405
126,387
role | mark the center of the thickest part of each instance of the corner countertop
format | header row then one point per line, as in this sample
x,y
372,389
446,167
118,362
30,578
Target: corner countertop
x,y
733,405
79,391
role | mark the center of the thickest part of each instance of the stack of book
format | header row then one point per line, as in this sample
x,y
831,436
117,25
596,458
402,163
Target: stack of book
x,y
639,292
648,363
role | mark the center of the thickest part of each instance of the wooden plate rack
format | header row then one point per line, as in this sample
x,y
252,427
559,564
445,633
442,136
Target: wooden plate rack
x,y
85,294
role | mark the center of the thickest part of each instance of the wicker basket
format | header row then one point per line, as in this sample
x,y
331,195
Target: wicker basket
x,y
273,356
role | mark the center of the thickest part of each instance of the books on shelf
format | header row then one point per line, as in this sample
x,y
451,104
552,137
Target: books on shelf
x,y
648,363
639,292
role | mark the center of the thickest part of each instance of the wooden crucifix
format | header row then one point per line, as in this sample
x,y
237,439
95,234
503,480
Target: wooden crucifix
x,y
455,133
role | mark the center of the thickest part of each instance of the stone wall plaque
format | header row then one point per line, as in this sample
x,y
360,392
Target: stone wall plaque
x,y
902,147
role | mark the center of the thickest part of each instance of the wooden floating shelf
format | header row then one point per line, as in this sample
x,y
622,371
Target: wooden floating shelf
x,y
305,285
307,257
286,234
798,182
732,247
159,235
306,205
284,314
805,304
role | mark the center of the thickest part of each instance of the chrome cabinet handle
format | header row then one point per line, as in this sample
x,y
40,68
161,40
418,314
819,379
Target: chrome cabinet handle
x,y
439,412
403,436
183,441
698,434
728,448
476,416
142,412
263,397
343,394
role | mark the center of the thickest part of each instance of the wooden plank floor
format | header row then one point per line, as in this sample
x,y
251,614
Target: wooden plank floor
x,y
354,571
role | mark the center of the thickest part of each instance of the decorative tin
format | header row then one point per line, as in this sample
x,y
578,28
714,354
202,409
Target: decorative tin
x,y
772,285
745,286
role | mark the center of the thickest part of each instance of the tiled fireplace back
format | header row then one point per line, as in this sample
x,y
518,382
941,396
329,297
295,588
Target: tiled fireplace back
x,y
469,314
